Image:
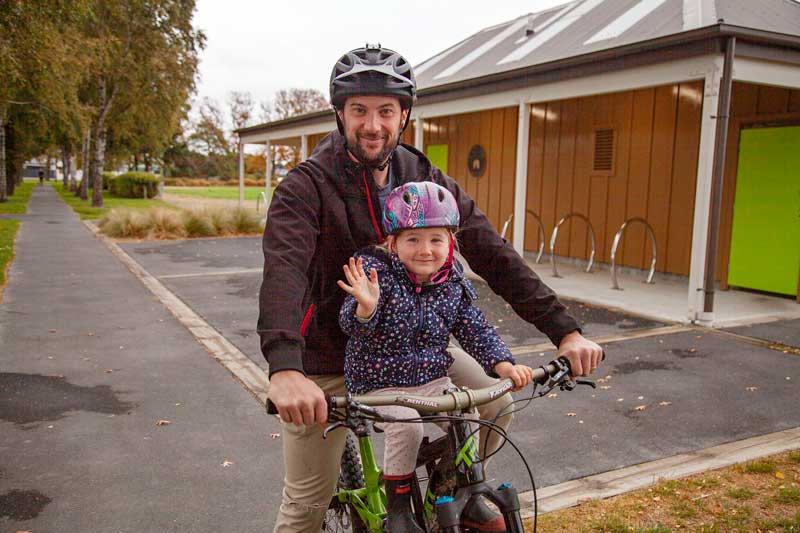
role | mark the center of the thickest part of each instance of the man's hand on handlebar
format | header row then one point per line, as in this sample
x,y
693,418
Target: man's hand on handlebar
x,y
583,355
298,399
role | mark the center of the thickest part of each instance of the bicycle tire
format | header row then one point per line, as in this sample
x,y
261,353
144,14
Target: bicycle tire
x,y
341,517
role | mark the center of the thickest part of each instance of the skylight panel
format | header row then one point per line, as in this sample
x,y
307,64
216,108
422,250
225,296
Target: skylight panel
x,y
436,59
551,31
484,48
626,21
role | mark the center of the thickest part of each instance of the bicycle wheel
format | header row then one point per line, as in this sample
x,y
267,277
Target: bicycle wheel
x,y
341,517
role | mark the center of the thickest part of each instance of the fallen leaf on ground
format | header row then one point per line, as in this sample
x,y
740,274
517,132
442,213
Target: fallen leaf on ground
x,y
620,399
572,414
274,435
664,403
90,334
163,423
552,395
53,331
604,387
109,371
751,389
227,463
780,475
640,408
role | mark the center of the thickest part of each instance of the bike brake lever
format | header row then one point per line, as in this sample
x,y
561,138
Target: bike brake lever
x,y
331,428
588,382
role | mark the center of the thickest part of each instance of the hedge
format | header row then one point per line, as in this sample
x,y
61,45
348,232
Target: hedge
x,y
134,185
107,177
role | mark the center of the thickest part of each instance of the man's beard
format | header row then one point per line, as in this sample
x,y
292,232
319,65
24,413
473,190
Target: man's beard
x,y
372,161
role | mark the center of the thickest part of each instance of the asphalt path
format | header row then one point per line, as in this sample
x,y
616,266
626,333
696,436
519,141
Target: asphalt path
x,y
658,396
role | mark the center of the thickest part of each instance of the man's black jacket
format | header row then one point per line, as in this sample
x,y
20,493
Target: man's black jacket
x,y
321,214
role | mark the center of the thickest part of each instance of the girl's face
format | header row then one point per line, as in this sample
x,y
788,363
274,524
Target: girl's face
x,y
423,251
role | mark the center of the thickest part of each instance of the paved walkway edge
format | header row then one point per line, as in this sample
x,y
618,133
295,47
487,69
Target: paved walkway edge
x,y
552,498
250,375
643,475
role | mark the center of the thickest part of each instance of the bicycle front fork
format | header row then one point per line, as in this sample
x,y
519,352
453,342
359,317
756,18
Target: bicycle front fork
x,y
449,510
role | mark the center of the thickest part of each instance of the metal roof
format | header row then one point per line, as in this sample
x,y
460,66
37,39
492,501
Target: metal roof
x,y
585,26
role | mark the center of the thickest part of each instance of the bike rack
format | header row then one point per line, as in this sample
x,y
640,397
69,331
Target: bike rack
x,y
555,235
541,231
261,196
617,238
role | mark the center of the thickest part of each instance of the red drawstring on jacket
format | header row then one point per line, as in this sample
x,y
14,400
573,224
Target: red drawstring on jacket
x,y
375,225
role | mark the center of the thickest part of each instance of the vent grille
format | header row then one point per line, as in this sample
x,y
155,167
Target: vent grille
x,y
604,150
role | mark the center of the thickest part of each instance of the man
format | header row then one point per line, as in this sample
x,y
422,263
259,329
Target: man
x,y
322,212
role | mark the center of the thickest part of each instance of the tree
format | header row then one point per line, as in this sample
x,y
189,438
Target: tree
x,y
40,67
293,102
143,70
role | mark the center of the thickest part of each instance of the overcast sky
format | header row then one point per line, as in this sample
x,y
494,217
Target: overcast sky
x,y
263,46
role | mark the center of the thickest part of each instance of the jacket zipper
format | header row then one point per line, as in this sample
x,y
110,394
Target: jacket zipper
x,y
419,330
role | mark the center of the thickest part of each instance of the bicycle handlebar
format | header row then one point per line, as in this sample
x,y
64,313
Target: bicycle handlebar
x,y
462,399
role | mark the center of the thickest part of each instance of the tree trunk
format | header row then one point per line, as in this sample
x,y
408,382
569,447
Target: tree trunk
x,y
65,163
3,197
47,170
83,190
147,165
97,166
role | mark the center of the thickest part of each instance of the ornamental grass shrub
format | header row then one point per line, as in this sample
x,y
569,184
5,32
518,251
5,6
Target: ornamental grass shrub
x,y
134,185
159,223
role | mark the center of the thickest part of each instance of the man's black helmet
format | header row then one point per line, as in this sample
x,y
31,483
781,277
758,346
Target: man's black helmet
x,y
373,70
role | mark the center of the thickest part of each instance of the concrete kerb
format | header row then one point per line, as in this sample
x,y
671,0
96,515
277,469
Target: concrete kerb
x,y
552,498
253,378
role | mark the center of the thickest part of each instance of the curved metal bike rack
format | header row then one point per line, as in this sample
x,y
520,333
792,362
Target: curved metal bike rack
x,y
541,231
617,238
555,235
261,196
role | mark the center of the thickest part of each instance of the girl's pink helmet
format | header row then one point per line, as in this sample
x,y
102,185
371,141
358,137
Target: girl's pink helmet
x,y
421,204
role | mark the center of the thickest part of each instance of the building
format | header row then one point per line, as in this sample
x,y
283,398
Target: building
x,y
684,114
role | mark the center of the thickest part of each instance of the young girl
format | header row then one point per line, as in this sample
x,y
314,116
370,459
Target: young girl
x,y
400,317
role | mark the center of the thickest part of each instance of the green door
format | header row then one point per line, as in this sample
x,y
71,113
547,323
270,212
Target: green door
x,y
765,241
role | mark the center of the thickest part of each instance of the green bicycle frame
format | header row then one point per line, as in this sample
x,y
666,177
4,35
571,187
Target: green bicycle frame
x,y
370,500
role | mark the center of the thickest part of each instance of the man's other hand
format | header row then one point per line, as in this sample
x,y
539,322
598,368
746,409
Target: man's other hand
x,y
583,355
298,399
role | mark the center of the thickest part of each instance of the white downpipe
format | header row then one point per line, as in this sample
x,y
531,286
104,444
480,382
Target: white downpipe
x,y
521,179
702,201
419,138
303,147
241,174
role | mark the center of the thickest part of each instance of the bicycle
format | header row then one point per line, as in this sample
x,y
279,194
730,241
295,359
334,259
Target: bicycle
x,y
454,471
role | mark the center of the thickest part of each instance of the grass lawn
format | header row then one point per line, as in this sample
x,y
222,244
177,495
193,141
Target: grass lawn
x,y
19,202
216,193
8,231
762,495
87,212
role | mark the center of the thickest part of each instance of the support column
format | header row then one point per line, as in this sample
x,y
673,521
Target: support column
x,y
303,147
419,138
702,200
521,179
241,174
268,184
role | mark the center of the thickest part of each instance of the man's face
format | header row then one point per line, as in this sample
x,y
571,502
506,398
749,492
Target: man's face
x,y
372,126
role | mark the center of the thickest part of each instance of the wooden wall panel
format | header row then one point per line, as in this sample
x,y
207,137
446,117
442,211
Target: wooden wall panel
x,y
622,114
772,100
684,174
314,140
508,170
579,243
533,200
564,175
639,176
550,165
491,192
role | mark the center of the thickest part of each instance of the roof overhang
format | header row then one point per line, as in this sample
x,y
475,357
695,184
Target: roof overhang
x,y
758,46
